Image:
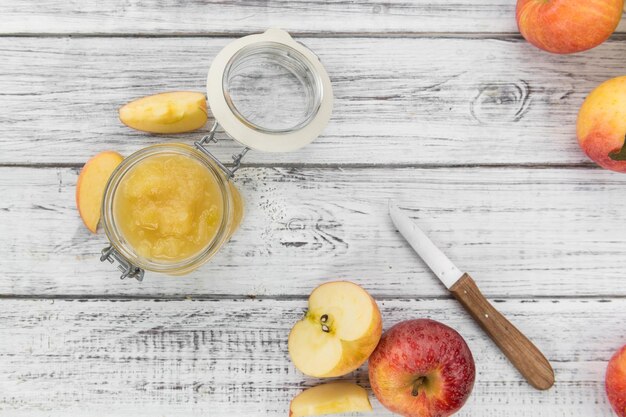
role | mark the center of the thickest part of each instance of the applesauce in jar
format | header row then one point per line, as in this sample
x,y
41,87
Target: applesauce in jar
x,y
168,208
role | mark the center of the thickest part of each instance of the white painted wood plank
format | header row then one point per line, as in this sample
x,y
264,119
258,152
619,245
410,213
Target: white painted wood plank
x,y
304,16
225,358
520,232
398,101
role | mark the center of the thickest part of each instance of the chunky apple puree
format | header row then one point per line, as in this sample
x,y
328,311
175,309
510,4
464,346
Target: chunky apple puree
x,y
169,207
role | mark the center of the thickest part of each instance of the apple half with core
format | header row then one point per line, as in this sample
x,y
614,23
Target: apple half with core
x,y
422,368
568,26
616,382
331,398
601,125
338,332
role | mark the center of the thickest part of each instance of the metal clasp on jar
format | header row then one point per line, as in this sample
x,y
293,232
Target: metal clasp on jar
x,y
230,172
128,270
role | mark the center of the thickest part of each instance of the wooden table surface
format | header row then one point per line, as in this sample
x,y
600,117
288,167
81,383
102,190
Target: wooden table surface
x,y
441,105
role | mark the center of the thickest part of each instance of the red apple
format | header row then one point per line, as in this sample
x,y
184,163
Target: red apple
x,y
568,26
422,368
601,125
616,382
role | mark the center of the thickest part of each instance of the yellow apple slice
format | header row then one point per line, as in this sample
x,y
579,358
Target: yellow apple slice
x,y
332,398
338,333
175,112
90,186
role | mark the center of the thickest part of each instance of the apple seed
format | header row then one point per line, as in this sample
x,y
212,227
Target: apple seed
x,y
323,320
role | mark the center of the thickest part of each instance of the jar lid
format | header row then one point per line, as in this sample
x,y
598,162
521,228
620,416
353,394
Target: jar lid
x,y
269,92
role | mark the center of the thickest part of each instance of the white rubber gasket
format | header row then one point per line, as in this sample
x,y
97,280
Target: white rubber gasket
x,y
256,138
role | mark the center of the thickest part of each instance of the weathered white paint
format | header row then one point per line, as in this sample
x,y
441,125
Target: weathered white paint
x,y
225,358
520,232
219,17
397,101
423,83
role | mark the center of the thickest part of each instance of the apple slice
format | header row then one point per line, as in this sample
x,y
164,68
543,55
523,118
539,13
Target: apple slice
x,y
175,112
90,186
338,332
331,398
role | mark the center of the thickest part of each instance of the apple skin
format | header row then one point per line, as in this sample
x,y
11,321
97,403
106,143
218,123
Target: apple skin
x,y
330,398
616,382
173,112
422,368
357,352
90,186
568,26
601,125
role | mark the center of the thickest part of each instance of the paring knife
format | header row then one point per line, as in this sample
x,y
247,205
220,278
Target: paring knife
x,y
525,356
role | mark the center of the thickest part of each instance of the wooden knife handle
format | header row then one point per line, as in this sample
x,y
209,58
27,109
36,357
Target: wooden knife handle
x,y
521,352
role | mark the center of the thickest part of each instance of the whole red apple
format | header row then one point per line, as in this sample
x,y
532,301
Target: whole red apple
x,y
601,125
568,26
616,382
422,368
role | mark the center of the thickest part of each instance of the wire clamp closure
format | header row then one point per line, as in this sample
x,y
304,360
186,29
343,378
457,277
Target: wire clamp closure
x,y
200,145
128,270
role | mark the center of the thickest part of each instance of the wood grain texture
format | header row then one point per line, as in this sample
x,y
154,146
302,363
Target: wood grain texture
x,y
516,346
229,357
398,101
219,17
520,232
430,96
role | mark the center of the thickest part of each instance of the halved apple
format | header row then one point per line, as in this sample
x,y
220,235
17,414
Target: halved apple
x,y
175,112
90,186
331,398
339,331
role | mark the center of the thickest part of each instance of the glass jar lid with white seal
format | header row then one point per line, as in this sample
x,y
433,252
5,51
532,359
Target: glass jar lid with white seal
x,y
169,208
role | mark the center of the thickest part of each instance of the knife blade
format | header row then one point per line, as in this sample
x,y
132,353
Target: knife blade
x,y
436,260
522,353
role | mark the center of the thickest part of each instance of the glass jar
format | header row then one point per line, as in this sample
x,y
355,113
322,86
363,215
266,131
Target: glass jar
x,y
227,199
265,91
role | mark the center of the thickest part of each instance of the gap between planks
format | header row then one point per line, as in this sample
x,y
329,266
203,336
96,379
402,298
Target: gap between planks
x,y
320,35
582,165
287,297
